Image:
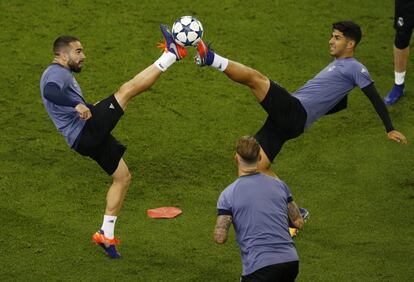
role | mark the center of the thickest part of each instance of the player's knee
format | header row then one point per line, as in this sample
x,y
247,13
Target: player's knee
x,y
124,92
127,179
257,79
259,85
124,178
124,88
402,39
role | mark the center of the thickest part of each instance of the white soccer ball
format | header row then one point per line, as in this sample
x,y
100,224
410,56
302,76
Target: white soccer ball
x,y
187,31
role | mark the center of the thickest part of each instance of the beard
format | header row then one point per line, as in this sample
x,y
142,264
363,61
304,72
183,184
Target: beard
x,y
74,67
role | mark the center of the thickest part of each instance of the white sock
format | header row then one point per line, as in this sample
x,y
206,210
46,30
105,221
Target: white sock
x,y
399,77
219,62
108,226
165,61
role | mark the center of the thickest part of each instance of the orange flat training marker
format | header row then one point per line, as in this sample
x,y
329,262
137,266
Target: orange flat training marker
x,y
164,212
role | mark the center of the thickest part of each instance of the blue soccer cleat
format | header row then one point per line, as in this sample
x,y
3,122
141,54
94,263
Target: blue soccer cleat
x,y
169,44
109,245
205,55
304,213
394,95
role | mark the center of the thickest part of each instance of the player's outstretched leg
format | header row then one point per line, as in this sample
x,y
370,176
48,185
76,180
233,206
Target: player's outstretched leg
x,y
146,78
257,82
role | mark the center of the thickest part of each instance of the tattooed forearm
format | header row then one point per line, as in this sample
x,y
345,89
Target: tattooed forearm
x,y
221,230
295,219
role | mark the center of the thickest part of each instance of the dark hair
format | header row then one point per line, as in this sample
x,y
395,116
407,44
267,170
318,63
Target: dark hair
x,y
62,42
248,149
349,29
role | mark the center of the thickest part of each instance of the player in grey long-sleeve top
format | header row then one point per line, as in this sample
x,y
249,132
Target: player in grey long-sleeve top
x,y
87,128
289,115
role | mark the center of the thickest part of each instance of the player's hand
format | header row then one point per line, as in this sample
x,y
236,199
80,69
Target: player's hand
x,y
84,111
397,136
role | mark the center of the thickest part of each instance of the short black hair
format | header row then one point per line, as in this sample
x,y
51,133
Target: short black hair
x,y
349,29
62,42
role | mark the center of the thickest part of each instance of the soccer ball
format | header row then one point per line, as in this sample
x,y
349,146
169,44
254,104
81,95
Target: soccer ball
x,y
187,31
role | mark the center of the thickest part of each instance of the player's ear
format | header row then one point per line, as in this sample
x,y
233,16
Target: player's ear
x,y
63,55
351,44
236,158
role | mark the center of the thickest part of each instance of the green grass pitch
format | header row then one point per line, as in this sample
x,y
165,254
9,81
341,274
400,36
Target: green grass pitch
x,y
357,184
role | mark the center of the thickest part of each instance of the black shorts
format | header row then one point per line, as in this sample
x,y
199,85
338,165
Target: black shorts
x,y
286,120
96,141
281,272
404,15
